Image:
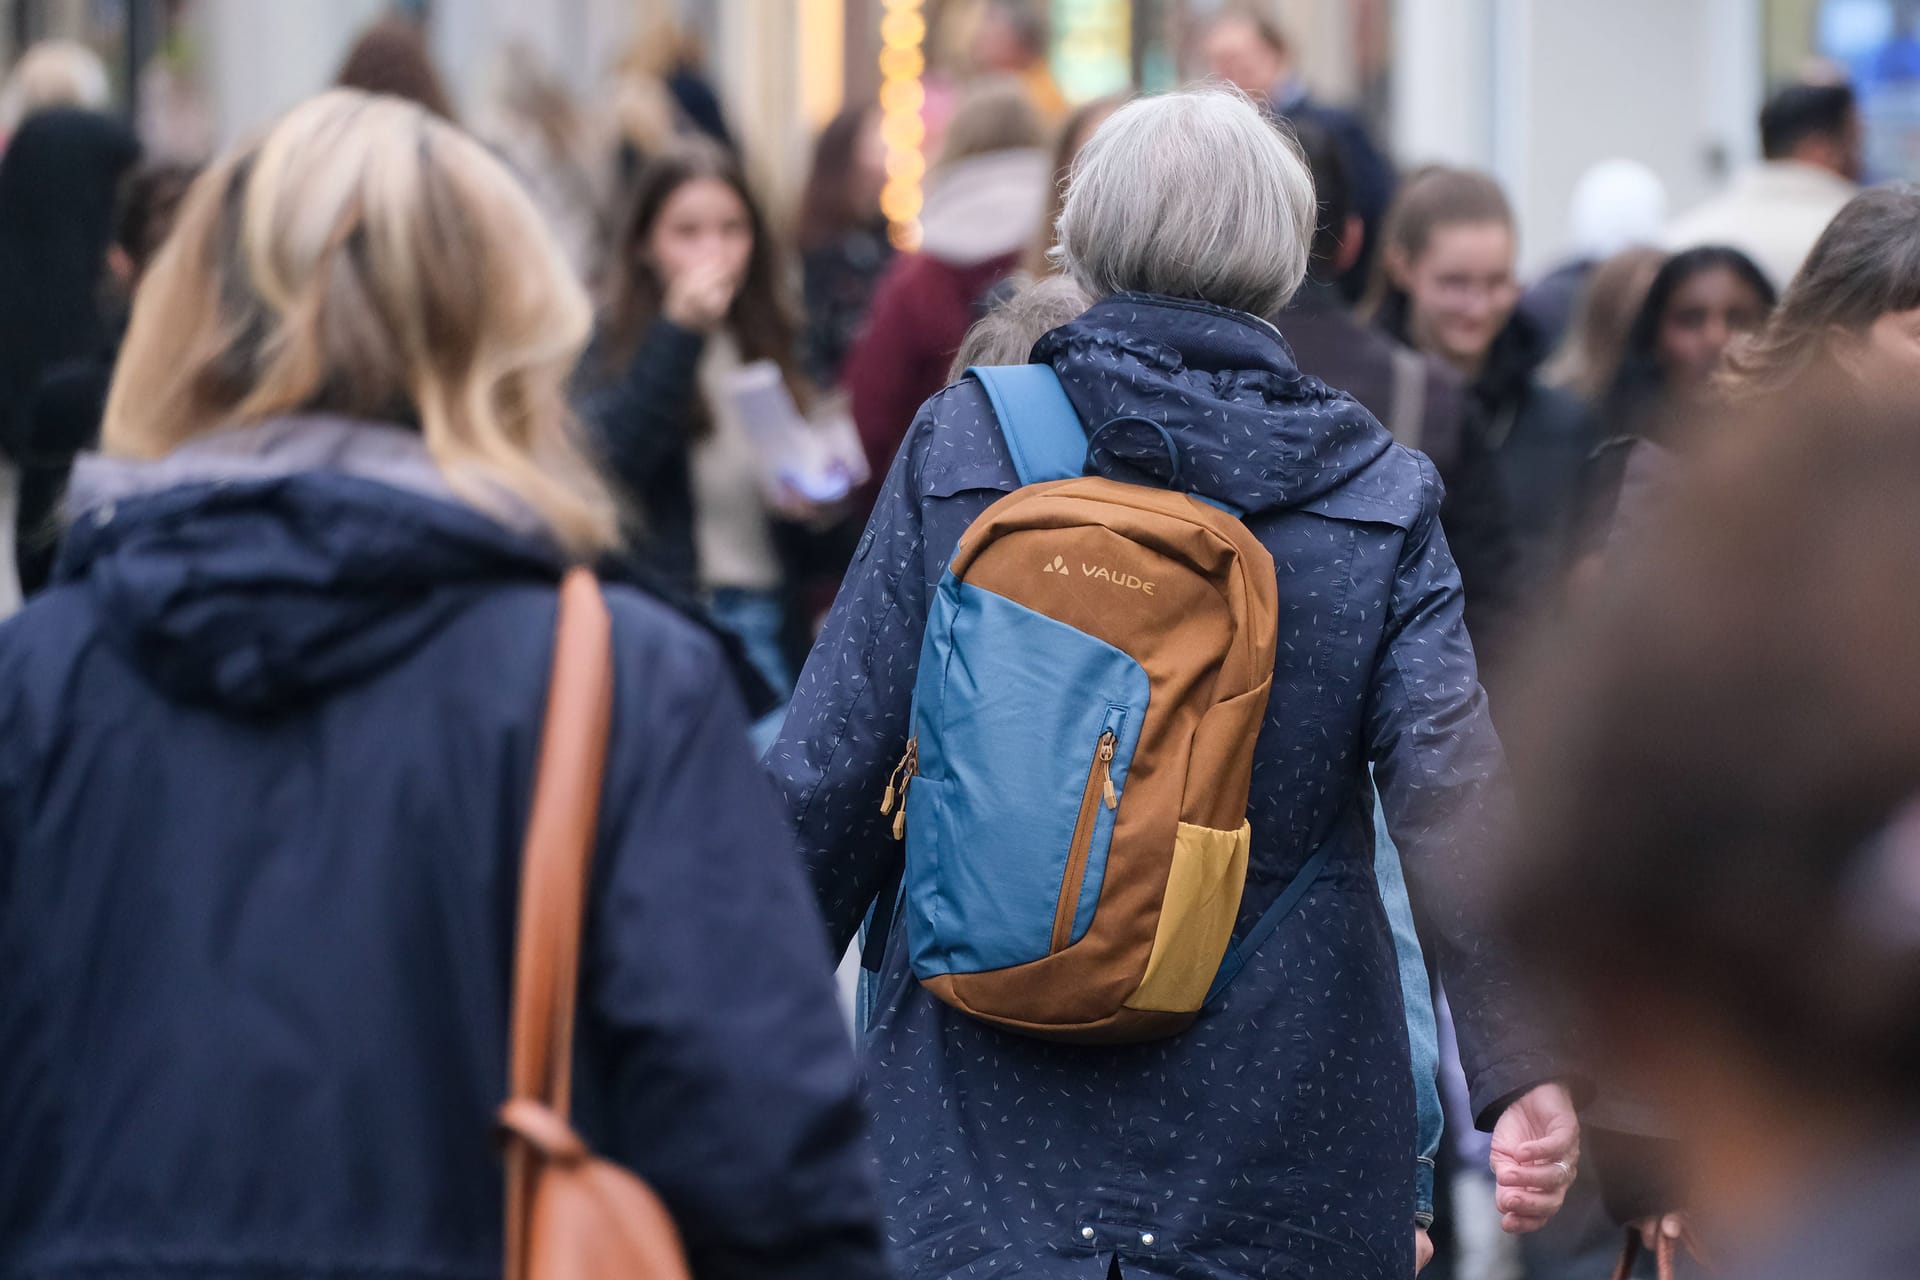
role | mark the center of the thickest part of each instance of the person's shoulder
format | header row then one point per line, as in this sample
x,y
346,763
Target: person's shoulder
x,y
956,442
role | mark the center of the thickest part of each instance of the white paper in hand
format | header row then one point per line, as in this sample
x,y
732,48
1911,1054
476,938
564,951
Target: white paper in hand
x,y
821,460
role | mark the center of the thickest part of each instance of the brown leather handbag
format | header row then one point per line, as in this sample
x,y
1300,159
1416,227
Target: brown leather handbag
x,y
570,1215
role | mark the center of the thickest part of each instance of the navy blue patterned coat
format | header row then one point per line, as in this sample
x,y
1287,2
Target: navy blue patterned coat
x,y
1275,1137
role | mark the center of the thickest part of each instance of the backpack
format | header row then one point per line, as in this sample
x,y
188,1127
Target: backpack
x,y
1073,798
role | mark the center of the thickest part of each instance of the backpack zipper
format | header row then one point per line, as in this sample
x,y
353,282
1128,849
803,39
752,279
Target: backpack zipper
x,y
895,801
1099,790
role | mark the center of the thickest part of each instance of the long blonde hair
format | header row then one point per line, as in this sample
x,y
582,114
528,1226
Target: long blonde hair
x,y
368,260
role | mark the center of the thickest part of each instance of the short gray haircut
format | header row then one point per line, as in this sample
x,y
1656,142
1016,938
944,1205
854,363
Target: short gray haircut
x,y
1196,194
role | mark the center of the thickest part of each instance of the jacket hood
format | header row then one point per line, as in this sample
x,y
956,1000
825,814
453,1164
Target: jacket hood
x,y
1206,400
257,568
985,206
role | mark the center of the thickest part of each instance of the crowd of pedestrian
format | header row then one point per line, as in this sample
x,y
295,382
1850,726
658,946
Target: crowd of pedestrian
x,y
298,442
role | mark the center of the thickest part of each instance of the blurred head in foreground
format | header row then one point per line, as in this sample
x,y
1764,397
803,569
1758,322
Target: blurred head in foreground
x,y
1720,786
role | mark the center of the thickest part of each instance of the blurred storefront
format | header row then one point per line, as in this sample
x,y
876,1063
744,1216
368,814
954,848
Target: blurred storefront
x,y
1535,90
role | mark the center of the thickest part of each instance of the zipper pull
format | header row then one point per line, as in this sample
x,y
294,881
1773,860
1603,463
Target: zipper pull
x,y
895,802
896,789
1106,768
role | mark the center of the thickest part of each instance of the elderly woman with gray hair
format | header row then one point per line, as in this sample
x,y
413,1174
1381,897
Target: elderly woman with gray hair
x,y
1275,1136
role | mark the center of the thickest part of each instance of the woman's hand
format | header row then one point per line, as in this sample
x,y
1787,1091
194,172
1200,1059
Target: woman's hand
x,y
700,297
1536,1155
1422,1249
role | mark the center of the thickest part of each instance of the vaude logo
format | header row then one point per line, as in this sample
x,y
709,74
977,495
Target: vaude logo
x,y
1100,573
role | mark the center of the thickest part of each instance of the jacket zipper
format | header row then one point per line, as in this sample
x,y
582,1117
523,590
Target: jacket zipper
x,y
1099,790
895,801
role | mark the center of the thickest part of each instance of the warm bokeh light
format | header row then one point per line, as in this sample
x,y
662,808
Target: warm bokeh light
x,y
902,62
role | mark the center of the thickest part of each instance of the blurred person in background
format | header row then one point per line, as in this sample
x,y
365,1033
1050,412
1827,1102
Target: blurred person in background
x,y
1190,218
1419,398
391,57
1074,132
1010,38
52,73
257,989
1812,142
1446,287
698,292
1617,205
71,401
1597,338
1698,303
1850,321
668,53
1721,854
984,198
1245,47
842,237
532,120
58,183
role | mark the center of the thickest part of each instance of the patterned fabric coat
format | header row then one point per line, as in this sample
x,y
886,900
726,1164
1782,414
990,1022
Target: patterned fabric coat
x,y
1276,1136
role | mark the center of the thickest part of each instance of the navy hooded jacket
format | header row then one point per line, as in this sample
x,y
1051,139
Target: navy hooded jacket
x,y
266,752
1273,1137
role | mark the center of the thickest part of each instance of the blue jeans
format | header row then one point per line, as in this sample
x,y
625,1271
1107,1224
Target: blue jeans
x,y
756,619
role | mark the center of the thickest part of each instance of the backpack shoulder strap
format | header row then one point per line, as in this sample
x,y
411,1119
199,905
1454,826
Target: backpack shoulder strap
x,y
1039,423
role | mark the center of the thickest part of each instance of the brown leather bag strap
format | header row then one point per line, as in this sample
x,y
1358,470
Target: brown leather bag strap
x,y
556,859
1664,1253
558,853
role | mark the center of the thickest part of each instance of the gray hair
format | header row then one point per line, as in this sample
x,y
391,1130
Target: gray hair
x,y
1194,195
1006,334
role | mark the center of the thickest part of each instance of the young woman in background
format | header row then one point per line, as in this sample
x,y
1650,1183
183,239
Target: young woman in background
x,y
697,295
1446,286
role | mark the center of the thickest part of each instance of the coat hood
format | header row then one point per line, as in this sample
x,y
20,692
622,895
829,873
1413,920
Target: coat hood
x,y
1217,406
985,206
257,568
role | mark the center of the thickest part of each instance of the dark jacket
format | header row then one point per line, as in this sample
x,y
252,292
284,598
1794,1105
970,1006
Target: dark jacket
x,y
839,279
1536,441
1370,174
1549,302
641,415
59,178
1334,346
267,756
1272,1137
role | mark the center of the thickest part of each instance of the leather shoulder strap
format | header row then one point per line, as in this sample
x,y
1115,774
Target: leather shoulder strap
x,y
1038,422
558,853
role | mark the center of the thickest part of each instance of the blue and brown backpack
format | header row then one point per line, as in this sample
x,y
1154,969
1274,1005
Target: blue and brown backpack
x,y
1073,799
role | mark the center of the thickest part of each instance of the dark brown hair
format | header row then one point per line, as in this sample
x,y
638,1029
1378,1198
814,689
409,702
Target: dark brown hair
x,y
1866,264
391,57
760,320
828,207
1430,199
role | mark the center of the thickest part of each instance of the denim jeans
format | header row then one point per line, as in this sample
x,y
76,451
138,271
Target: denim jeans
x,y
756,619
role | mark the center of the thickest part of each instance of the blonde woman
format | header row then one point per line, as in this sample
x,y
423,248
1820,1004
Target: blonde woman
x,y
268,751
